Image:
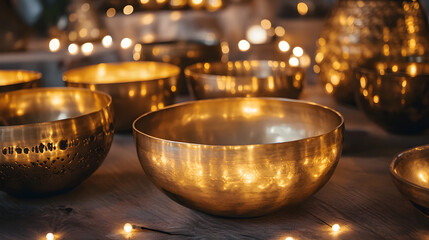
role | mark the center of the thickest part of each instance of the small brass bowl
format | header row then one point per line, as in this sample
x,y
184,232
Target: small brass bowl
x,y
240,157
395,95
410,173
18,79
180,53
135,87
51,139
245,79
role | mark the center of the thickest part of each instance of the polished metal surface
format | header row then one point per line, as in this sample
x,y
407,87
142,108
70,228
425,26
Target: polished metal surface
x,y
410,173
360,30
51,139
135,87
240,157
245,79
395,95
179,53
18,79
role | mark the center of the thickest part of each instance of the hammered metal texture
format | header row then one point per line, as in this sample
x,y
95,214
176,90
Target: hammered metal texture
x,y
51,139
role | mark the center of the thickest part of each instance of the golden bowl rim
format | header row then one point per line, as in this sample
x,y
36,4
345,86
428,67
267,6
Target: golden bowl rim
x,y
339,126
397,159
190,70
70,89
176,72
37,76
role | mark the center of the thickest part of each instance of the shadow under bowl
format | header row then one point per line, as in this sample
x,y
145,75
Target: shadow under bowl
x,y
240,157
256,78
410,173
395,95
135,87
51,139
11,80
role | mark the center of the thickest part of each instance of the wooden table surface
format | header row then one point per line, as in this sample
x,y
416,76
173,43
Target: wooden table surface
x,y
360,197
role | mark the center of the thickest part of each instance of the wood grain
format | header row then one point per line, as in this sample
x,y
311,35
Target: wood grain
x,y
360,197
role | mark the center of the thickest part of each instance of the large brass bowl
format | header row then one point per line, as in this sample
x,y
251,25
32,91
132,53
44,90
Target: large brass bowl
x,y
410,173
18,79
240,157
135,87
51,139
245,79
395,95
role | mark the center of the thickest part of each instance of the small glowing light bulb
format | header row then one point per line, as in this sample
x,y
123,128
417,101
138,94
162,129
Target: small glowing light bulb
x,y
284,46
87,48
107,41
73,49
243,45
126,43
54,44
298,51
128,227
336,228
50,236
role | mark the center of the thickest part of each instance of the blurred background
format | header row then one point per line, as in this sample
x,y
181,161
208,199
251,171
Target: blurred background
x,y
52,36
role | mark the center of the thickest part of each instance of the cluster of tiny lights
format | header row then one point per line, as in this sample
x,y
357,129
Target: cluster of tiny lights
x,y
128,227
335,227
50,236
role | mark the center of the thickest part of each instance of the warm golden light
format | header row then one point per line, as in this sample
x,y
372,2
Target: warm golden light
x,y
196,3
54,45
175,15
289,238
213,5
128,227
305,61
422,178
126,43
87,48
265,23
294,62
50,236
128,9
243,45
376,99
336,228
279,31
394,68
256,34
73,49
111,12
144,1
302,8
284,46
329,88
412,70
298,51
316,69
107,41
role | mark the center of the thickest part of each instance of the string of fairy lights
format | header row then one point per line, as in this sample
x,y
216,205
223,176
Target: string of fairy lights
x,y
128,229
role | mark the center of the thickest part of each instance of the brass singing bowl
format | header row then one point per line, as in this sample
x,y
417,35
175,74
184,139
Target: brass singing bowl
x,y
18,79
240,157
135,87
51,139
245,79
410,173
395,95
180,53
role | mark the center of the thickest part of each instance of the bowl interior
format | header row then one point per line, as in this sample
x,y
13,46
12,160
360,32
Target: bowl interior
x,y
48,104
259,69
239,121
10,77
107,73
413,166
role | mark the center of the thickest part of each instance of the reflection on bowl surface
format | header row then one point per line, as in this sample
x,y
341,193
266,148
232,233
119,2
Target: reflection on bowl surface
x,y
135,87
395,95
410,172
18,79
51,139
240,157
245,79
